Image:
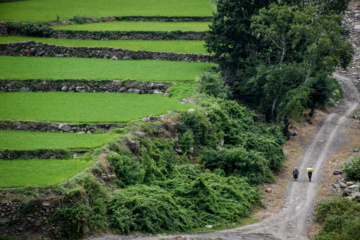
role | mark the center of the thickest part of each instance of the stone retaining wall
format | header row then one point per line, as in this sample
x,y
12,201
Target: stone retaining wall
x,y
3,29
30,48
130,35
59,127
17,218
40,154
83,86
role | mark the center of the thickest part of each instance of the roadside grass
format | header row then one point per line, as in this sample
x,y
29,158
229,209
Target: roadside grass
x,y
28,140
38,172
46,10
138,26
98,69
84,107
145,45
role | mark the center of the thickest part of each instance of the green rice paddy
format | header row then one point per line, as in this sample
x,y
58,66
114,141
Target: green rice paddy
x,y
145,45
46,10
138,26
27,140
38,172
84,107
98,69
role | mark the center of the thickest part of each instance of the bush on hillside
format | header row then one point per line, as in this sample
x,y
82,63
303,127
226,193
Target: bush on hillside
x,y
127,170
213,85
335,207
351,168
36,30
84,207
192,199
237,161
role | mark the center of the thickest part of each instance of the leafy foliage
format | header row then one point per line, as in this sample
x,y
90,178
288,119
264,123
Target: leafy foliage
x,y
341,219
352,168
182,203
84,207
127,170
36,30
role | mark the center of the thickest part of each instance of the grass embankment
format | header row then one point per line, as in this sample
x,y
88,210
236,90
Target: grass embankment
x,y
46,10
139,26
27,140
99,69
38,172
136,45
84,107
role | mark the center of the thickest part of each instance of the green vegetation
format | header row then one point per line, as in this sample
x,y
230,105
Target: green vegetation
x,y
341,219
46,10
99,69
139,26
351,168
278,58
38,172
154,46
159,182
26,140
84,107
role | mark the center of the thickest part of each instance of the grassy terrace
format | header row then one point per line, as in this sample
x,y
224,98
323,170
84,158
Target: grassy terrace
x,y
139,26
84,107
27,140
46,10
154,46
38,172
98,69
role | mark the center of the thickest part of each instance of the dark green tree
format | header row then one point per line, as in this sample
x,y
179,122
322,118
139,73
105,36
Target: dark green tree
x,y
230,36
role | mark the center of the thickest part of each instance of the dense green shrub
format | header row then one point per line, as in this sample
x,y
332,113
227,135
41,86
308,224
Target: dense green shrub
x,y
84,207
341,219
187,140
352,168
203,133
127,170
335,207
237,161
36,30
71,221
191,199
213,85
147,209
78,19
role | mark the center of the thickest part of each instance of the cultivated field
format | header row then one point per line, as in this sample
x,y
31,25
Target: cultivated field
x,y
84,107
88,107
38,172
27,140
98,69
46,10
180,46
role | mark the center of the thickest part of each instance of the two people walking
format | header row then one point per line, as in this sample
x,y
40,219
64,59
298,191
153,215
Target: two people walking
x,y
296,173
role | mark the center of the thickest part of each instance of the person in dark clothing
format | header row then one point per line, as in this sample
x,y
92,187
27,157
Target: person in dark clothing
x,y
309,171
295,173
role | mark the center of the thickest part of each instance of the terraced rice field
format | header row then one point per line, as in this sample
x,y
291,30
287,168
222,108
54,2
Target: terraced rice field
x,y
38,172
99,69
177,46
27,140
46,10
91,107
84,107
139,26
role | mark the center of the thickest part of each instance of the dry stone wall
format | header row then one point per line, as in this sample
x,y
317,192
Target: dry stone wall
x,y
83,86
59,127
17,218
132,35
30,48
